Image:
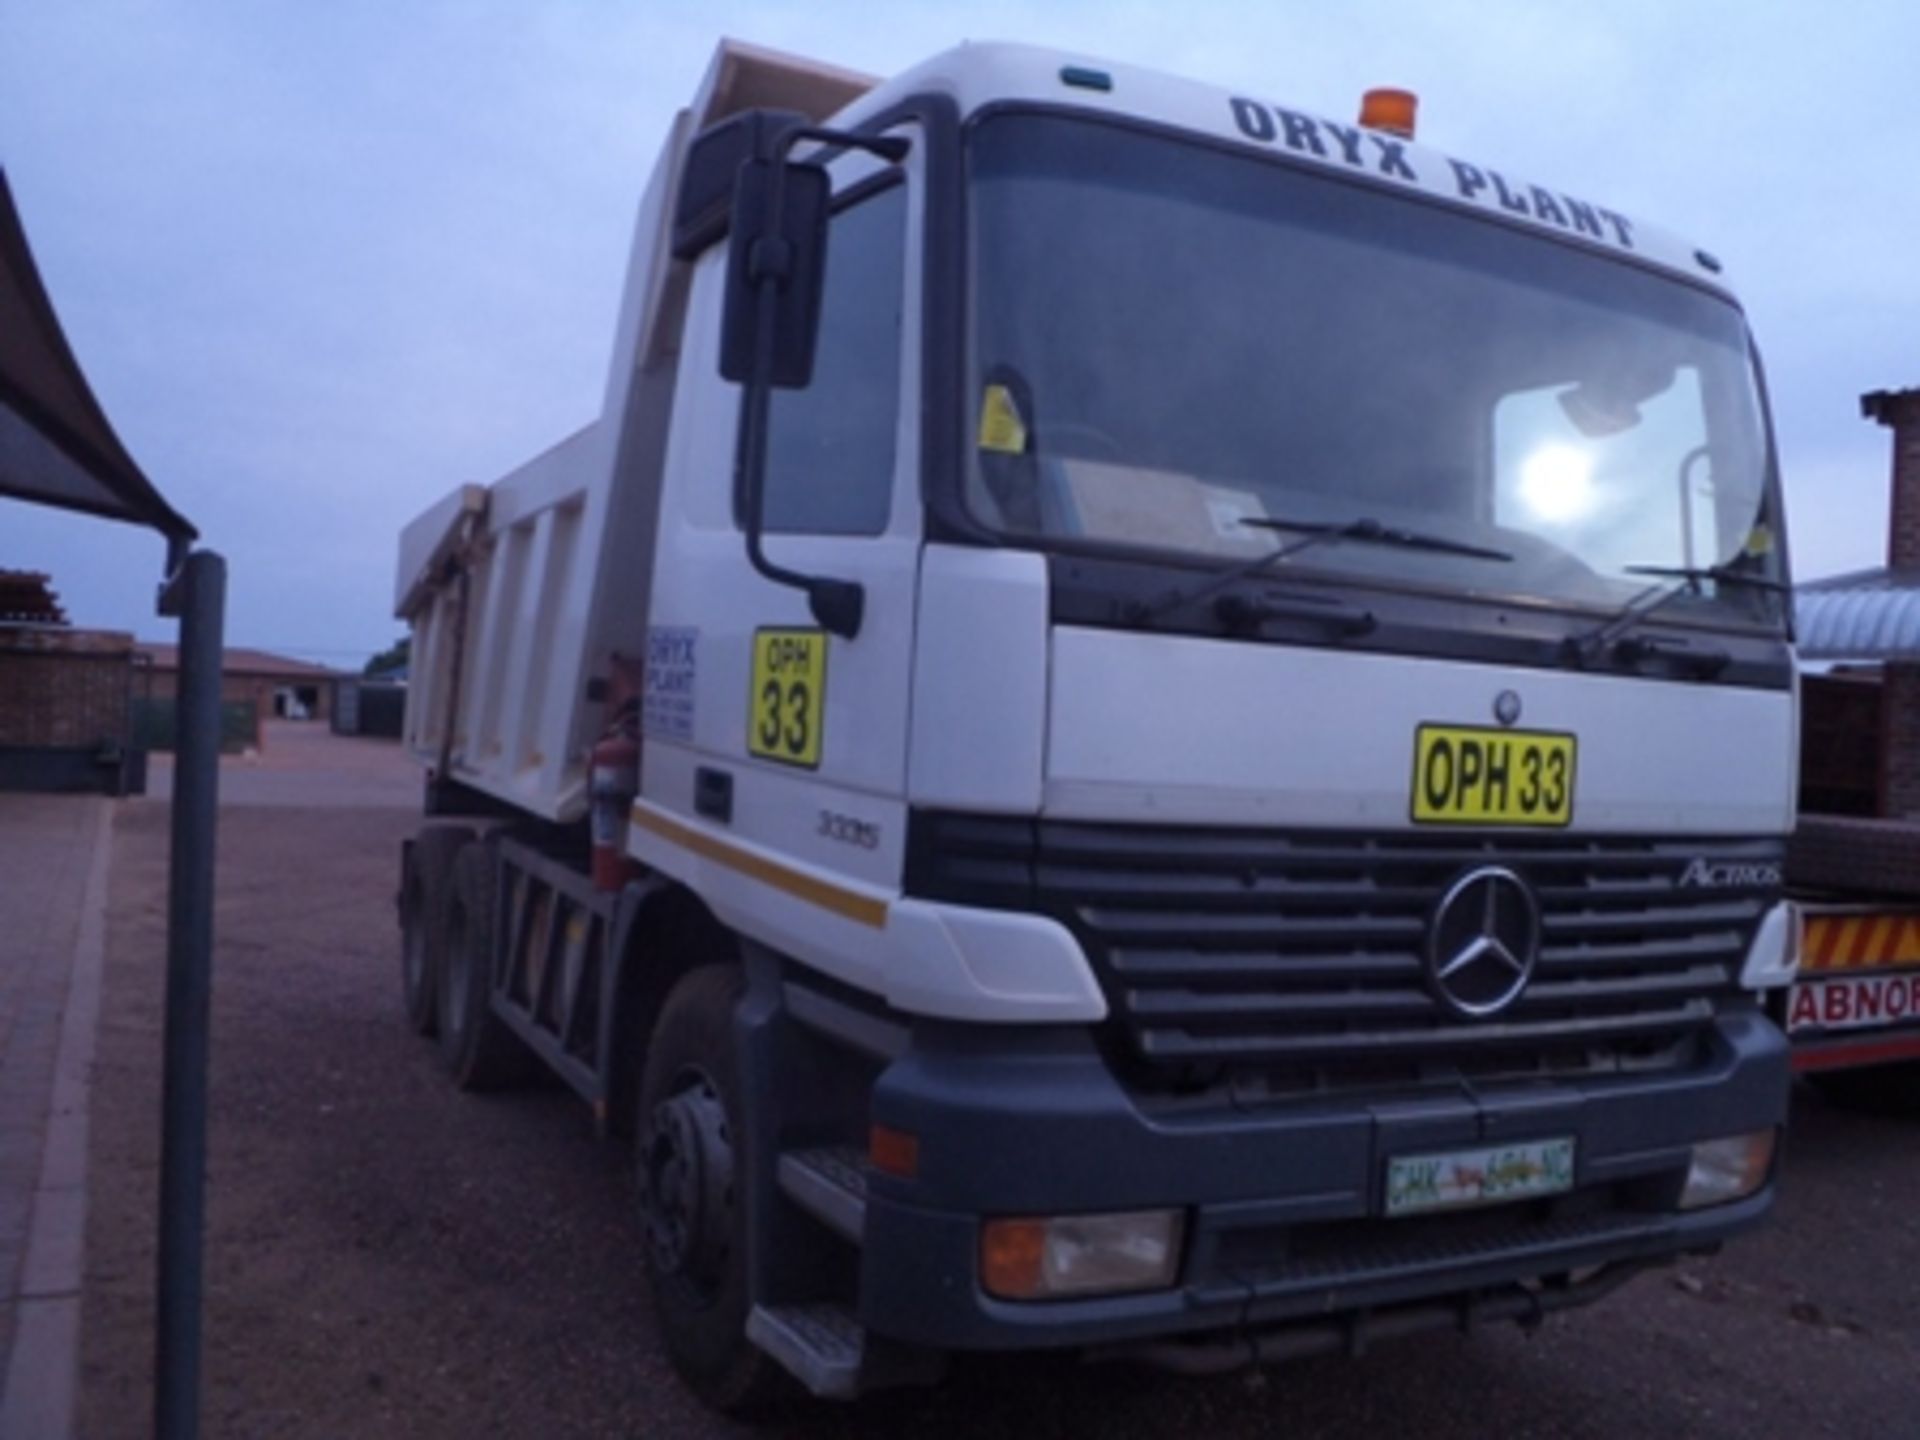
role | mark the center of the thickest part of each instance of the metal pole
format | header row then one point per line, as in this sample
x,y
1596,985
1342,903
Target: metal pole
x,y
197,595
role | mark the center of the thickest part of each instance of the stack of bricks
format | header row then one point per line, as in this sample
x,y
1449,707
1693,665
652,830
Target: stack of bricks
x,y
1900,752
61,688
1853,855
1899,411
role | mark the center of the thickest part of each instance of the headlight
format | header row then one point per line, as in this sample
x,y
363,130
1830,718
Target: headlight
x,y
1774,957
1043,1259
1727,1169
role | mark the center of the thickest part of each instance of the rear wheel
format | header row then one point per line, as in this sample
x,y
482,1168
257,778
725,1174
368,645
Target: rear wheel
x,y
426,882
479,1051
691,1155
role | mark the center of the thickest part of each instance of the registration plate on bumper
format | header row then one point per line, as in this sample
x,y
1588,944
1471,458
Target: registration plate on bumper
x,y
1457,1179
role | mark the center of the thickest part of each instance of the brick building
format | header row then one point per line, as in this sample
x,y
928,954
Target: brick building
x,y
1862,631
1859,642
273,686
66,689
65,695
78,706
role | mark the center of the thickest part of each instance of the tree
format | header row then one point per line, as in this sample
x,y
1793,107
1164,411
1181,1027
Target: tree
x,y
394,657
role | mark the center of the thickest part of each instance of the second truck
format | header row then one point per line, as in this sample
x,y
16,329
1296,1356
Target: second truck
x,y
1149,724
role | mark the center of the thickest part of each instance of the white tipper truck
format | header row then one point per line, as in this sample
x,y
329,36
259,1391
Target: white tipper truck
x,y
1149,724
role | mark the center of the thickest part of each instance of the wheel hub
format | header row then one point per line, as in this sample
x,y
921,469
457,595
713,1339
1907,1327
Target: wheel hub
x,y
686,1174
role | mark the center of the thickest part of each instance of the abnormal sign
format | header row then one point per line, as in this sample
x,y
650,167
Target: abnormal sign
x,y
1856,1003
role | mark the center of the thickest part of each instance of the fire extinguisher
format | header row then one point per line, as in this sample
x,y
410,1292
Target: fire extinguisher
x,y
613,779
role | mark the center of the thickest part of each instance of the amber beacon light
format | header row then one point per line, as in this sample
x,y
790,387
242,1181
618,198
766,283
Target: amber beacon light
x,y
1389,110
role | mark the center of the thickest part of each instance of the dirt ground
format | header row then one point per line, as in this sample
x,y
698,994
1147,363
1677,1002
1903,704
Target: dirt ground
x,y
388,1258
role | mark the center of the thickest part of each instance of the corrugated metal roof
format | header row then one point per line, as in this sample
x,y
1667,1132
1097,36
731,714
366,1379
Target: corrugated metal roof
x,y
1866,615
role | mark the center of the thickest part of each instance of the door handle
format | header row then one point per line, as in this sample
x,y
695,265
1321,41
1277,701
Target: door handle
x,y
713,794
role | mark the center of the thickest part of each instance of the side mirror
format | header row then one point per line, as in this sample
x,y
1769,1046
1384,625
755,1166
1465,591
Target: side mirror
x,y
779,234
776,264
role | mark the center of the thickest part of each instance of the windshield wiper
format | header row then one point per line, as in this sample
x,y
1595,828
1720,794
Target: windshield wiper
x,y
1723,572
1365,530
1584,648
1374,533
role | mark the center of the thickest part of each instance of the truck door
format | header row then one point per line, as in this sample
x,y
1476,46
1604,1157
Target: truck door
x,y
774,754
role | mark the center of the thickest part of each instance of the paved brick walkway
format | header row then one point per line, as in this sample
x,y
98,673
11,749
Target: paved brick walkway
x,y
47,850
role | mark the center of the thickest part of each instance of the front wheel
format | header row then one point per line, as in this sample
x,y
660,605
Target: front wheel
x,y
691,1164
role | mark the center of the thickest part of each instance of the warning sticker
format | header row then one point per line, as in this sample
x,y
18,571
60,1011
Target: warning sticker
x,y
1001,428
666,705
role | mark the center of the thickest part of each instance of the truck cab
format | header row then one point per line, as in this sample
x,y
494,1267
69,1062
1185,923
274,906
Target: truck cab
x,y
1273,836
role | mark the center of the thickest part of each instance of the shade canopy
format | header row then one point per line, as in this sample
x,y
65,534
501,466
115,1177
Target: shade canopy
x,y
56,446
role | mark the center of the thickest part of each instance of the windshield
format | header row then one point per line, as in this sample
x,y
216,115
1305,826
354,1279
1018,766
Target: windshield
x,y
1173,345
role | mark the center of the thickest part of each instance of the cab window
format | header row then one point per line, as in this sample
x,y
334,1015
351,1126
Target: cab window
x,y
830,447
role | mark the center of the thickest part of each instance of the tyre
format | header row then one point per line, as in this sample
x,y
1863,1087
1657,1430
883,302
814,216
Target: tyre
x,y
690,1158
479,1051
426,882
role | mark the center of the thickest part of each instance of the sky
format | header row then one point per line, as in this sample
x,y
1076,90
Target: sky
x,y
322,262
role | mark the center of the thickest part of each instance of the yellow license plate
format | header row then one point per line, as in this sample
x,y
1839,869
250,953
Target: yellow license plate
x,y
786,709
1472,775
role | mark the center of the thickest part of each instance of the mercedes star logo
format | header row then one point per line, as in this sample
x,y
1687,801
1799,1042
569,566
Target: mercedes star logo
x,y
1506,706
1483,942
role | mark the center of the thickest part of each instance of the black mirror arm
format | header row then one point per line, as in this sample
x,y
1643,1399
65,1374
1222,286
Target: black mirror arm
x,y
838,605
891,148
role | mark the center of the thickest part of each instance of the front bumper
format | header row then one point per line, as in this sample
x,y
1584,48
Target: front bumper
x,y
1283,1203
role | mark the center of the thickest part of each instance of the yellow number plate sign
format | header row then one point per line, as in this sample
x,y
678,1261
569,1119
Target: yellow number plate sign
x,y
789,697
1468,775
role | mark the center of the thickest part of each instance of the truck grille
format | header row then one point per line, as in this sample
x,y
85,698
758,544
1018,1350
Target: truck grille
x,y
1230,947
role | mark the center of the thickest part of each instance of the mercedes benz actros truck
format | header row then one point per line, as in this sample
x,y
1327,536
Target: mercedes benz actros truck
x,y
1148,724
